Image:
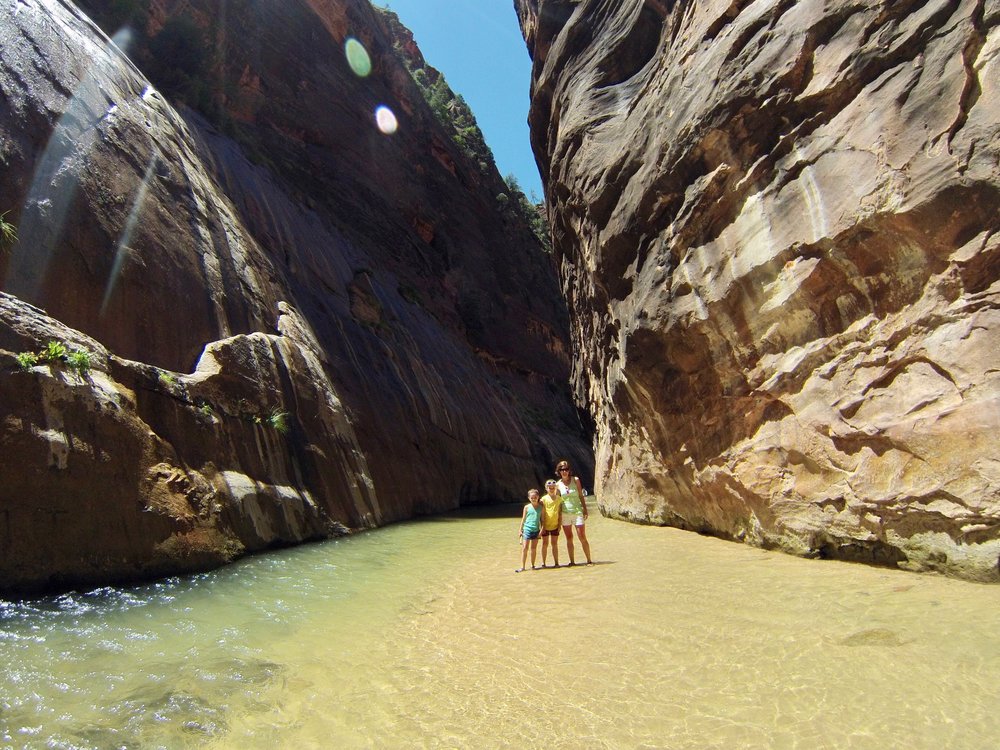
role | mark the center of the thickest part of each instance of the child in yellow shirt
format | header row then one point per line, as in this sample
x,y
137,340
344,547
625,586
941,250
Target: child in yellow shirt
x,y
552,520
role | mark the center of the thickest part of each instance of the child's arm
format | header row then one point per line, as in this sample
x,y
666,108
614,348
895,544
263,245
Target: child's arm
x,y
520,529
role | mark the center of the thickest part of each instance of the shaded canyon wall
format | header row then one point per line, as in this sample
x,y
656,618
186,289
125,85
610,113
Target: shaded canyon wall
x,y
297,325
777,229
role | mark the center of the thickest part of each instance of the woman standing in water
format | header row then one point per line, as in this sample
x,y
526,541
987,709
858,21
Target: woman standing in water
x,y
574,510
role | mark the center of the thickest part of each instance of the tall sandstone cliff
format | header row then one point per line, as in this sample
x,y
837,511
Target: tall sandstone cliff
x,y
777,229
297,324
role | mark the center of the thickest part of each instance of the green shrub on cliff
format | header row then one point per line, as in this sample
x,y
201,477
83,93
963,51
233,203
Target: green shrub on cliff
x,y
8,232
79,361
27,360
279,420
53,351
531,210
204,412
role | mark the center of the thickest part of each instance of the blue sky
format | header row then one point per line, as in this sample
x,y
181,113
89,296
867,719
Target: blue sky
x,y
477,44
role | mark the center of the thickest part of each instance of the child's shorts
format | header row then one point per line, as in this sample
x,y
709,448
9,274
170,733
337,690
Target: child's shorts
x,y
551,532
530,535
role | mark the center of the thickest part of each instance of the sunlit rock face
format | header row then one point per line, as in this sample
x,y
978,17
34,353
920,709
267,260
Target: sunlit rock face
x,y
298,324
777,228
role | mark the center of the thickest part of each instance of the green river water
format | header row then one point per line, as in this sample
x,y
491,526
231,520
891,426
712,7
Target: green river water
x,y
422,635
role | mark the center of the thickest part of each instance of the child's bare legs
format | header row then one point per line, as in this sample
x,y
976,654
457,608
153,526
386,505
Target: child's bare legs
x,y
555,550
568,531
534,551
581,532
545,550
524,554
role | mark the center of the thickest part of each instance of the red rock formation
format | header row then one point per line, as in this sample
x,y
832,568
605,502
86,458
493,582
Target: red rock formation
x,y
777,228
231,278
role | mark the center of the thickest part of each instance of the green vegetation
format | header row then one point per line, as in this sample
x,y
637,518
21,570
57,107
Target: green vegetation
x,y
27,360
279,420
166,379
8,232
456,117
451,110
79,361
54,351
532,210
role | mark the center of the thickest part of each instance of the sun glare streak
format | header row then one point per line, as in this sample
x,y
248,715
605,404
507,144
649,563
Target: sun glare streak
x,y
126,236
53,189
56,180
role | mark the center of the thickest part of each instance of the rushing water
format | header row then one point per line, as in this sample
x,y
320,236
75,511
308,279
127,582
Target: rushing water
x,y
422,635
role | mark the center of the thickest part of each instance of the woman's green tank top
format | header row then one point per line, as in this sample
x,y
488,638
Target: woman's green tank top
x,y
571,500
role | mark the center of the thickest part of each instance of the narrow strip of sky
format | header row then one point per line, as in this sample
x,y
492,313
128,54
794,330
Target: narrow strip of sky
x,y
478,46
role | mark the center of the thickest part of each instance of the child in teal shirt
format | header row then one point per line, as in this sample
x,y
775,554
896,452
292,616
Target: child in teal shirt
x,y
531,525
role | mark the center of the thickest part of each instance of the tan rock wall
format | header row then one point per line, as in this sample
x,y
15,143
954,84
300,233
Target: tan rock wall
x,y
777,224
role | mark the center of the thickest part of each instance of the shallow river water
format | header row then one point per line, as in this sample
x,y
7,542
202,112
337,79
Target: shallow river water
x,y
422,635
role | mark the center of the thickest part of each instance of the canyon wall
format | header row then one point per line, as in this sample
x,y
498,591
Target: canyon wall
x,y
776,224
281,319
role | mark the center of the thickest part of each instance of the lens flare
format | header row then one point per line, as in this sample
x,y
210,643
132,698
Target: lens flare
x,y
357,57
128,231
56,180
386,120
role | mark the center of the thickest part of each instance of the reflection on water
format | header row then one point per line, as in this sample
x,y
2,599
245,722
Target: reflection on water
x,y
422,635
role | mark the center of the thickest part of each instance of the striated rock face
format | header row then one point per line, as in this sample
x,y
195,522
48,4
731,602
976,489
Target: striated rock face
x,y
777,227
297,324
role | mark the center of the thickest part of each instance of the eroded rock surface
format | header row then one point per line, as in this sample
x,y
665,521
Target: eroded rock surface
x,y
279,261
777,227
